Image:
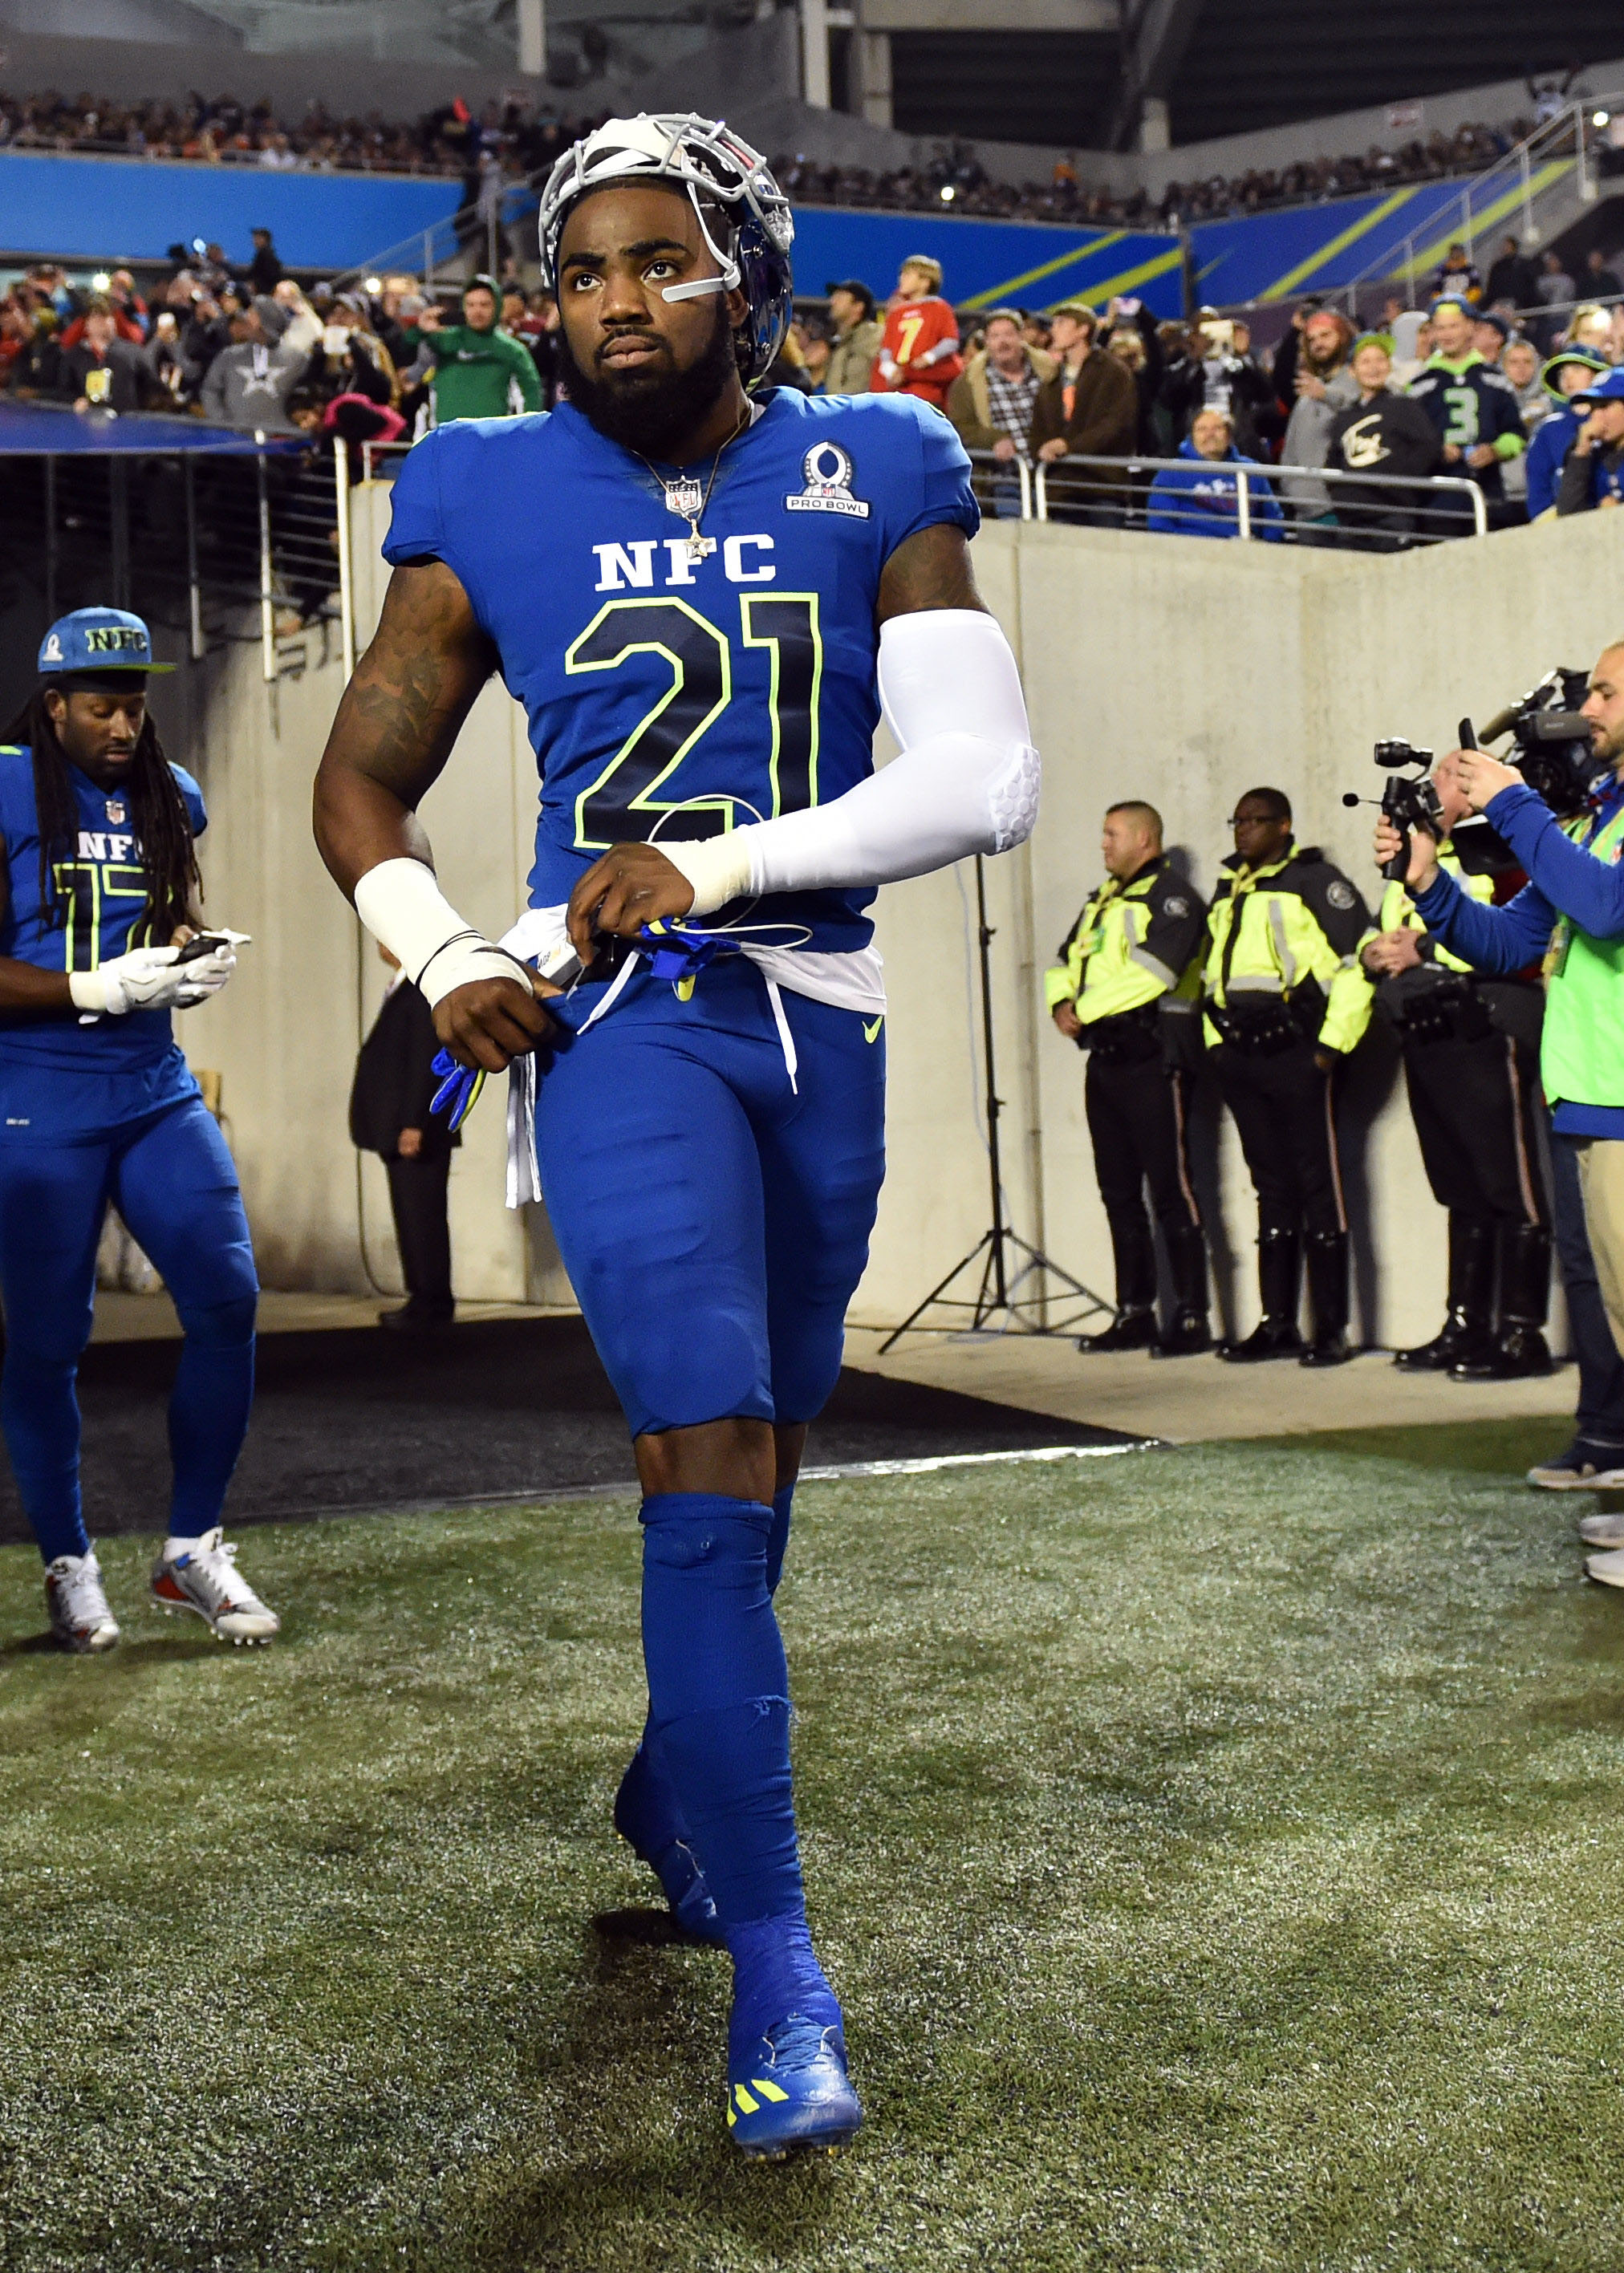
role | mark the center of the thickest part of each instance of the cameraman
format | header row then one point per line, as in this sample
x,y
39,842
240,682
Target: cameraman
x,y
1471,1066
1573,906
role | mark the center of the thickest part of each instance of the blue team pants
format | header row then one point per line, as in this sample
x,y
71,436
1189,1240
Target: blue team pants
x,y
714,1217
174,1184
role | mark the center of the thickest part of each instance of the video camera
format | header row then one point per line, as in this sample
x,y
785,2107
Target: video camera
x,y
1410,802
1555,750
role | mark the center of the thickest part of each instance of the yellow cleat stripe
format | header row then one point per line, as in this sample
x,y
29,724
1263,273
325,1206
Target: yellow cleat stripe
x,y
732,2118
747,2105
768,2091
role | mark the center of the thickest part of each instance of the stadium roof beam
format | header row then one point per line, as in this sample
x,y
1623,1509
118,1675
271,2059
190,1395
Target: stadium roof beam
x,y
1154,38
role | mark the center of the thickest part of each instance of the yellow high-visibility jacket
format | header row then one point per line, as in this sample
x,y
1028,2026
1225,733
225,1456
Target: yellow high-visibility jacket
x,y
1291,930
1132,942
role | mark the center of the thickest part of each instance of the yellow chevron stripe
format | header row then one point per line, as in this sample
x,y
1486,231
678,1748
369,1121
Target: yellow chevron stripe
x,y
1431,256
1293,277
1125,281
1048,268
767,2089
745,2103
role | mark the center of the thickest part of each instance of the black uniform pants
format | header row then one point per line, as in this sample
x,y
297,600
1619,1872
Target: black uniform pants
x,y
418,1194
1136,1119
1476,1106
1283,1112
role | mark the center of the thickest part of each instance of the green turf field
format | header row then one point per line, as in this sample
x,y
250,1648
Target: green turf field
x,y
1220,1853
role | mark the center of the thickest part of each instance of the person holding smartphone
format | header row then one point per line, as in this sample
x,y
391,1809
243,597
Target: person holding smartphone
x,y
99,941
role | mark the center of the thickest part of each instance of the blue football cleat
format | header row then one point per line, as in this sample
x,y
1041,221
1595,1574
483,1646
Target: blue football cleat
x,y
793,2091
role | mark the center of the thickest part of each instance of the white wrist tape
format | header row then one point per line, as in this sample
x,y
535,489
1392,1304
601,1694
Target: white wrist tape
x,y
967,780
401,904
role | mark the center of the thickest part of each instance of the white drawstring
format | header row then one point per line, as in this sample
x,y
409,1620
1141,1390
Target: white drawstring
x,y
791,1060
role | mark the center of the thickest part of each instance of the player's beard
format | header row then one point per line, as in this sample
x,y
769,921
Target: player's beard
x,y
650,411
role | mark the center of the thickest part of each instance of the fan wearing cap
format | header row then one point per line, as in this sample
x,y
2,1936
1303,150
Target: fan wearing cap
x,y
1474,408
1593,470
1567,374
700,589
100,889
918,346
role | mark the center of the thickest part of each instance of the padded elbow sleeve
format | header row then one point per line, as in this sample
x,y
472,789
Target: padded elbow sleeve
x,y
967,780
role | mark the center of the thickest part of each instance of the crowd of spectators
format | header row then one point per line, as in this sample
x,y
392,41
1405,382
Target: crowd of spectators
x,y
955,180
222,130
522,139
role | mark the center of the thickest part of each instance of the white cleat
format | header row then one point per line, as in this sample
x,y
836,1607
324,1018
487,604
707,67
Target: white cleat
x,y
204,1577
1602,1530
1606,1570
79,1617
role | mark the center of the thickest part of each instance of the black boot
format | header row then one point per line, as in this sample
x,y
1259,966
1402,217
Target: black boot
x,y
1131,1330
1328,1295
1468,1332
1519,1348
1189,1333
1275,1334
1134,1326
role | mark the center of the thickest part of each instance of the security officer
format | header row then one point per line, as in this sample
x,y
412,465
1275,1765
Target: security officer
x,y
1124,990
1285,1002
1471,1065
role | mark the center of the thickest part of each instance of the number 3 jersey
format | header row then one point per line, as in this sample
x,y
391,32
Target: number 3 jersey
x,y
100,899
675,689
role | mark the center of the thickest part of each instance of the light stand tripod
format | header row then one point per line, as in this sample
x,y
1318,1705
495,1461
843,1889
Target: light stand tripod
x,y
1008,1261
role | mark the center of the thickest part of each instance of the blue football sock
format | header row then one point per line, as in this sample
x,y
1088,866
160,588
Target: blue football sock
x,y
647,1812
777,1538
208,1411
40,1415
775,1974
719,1697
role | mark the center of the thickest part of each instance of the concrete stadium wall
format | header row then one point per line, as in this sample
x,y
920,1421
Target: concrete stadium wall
x,y
1173,668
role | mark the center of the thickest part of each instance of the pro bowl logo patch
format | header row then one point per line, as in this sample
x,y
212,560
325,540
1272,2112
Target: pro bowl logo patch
x,y
827,471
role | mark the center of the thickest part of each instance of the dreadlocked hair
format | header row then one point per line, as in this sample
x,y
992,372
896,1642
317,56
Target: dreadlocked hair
x,y
158,821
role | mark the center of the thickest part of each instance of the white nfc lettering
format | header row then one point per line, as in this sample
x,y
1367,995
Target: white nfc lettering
x,y
732,560
119,848
91,847
633,562
681,569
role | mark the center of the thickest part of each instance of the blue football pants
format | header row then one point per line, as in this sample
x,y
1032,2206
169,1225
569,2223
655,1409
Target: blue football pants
x,y
713,1213
174,1184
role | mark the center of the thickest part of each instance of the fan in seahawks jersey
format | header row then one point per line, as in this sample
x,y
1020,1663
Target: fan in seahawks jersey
x,y
1475,408
700,595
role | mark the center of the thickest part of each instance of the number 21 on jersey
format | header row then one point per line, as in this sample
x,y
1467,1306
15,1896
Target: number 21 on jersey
x,y
623,805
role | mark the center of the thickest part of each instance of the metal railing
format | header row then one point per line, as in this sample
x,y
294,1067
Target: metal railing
x,y
1423,509
219,549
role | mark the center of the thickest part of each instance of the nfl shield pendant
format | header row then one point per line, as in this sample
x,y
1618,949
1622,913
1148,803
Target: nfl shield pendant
x,y
115,812
684,498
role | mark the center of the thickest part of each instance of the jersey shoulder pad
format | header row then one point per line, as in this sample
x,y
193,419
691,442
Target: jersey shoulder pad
x,y
192,798
453,469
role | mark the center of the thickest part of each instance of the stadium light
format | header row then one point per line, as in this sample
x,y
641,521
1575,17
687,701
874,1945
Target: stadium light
x,y
100,281
947,193
372,283
1600,117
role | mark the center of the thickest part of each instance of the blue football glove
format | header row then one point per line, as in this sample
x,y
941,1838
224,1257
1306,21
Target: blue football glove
x,y
459,1089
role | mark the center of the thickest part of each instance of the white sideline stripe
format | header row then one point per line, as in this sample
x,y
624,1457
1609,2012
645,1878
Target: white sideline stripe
x,y
974,1460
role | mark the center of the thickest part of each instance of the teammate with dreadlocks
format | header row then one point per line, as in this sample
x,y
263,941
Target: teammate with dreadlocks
x,y
98,891
700,598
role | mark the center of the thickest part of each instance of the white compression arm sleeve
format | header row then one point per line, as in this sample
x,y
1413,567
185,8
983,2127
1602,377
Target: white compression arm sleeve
x,y
401,904
967,780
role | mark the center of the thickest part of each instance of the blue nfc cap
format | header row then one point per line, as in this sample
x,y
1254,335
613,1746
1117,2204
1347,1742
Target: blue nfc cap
x,y
1605,390
97,640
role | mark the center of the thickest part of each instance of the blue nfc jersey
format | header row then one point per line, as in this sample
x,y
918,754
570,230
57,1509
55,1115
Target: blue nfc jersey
x,y
100,911
674,696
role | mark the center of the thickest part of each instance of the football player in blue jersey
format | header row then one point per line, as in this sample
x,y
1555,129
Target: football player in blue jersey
x,y
100,940
702,596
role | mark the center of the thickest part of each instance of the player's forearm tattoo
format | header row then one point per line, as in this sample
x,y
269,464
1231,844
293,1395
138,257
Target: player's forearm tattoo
x,y
415,685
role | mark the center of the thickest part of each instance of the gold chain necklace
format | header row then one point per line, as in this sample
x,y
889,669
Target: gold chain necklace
x,y
686,499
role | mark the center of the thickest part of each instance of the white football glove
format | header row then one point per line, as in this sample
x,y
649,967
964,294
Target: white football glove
x,y
150,979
